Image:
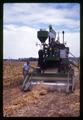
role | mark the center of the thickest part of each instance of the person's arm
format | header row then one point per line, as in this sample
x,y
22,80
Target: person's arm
x,y
32,66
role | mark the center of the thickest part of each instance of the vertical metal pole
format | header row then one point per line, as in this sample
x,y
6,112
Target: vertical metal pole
x,y
63,36
58,37
49,36
49,40
73,81
67,89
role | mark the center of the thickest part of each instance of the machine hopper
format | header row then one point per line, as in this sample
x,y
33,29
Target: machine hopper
x,y
42,35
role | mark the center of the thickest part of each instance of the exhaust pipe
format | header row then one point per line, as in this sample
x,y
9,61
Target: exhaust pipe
x,y
63,36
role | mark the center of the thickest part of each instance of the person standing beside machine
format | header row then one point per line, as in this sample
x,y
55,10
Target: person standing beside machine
x,y
26,68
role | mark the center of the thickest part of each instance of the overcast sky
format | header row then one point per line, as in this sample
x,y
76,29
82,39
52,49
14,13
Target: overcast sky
x,y
21,21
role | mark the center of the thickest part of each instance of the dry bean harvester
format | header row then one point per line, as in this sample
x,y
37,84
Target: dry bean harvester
x,y
54,65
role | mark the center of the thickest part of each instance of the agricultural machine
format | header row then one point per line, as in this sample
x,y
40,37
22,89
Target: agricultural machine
x,y
54,65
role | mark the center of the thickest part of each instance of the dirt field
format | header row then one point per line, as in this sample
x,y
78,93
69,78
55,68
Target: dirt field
x,y
39,102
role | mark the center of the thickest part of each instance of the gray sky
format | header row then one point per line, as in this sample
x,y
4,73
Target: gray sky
x,y
21,21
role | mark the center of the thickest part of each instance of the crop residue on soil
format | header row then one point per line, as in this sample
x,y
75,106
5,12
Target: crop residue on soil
x,y
40,102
